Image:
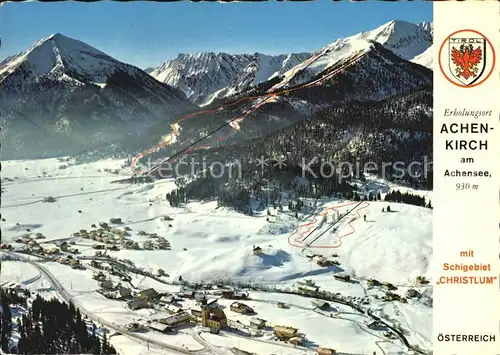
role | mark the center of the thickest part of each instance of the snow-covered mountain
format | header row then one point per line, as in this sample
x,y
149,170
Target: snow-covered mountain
x,y
406,39
346,74
62,95
426,58
204,77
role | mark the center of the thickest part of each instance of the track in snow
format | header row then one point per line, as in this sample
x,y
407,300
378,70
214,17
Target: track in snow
x,y
304,231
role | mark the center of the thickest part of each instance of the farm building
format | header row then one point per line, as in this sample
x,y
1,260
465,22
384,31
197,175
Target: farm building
x,y
175,319
137,303
421,280
240,308
389,287
172,309
257,250
196,311
390,296
159,327
342,277
412,293
372,282
324,262
285,332
186,293
213,318
320,304
325,351
308,288
116,293
281,305
257,323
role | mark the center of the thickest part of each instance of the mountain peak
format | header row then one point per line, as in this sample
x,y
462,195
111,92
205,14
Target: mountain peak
x,y
404,38
57,35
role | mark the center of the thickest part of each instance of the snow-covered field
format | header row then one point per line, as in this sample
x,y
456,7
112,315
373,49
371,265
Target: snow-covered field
x,y
210,244
20,273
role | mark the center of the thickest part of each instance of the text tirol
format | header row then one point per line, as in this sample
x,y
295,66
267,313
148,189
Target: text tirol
x,y
465,128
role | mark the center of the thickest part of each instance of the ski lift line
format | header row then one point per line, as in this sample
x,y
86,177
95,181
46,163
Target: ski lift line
x,y
267,96
187,149
341,237
184,150
240,117
307,236
352,220
314,220
219,108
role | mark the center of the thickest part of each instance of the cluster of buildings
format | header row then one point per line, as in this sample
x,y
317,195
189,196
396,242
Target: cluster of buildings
x,y
112,237
31,245
288,334
114,291
342,277
159,243
143,298
67,248
389,287
325,262
104,234
421,280
70,261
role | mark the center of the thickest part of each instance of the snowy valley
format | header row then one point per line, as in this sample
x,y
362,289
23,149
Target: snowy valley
x,y
217,246
272,261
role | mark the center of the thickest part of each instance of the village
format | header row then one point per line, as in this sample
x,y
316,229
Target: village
x,y
106,253
214,306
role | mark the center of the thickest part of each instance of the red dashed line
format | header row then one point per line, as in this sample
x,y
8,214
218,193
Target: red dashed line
x,y
310,226
222,107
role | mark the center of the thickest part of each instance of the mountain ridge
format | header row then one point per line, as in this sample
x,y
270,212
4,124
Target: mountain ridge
x,y
193,74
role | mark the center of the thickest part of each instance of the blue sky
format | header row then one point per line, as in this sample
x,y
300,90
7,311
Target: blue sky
x,y
148,33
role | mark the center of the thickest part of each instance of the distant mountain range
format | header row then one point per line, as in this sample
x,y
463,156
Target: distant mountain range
x,y
204,77
64,97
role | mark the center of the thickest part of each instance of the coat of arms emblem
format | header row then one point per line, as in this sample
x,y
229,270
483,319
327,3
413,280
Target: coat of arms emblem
x,y
466,58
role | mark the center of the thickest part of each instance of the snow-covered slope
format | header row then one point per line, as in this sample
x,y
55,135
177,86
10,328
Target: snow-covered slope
x,y
426,59
206,76
407,40
403,38
78,96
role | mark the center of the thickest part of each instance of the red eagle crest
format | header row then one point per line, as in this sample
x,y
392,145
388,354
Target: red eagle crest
x,y
466,59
